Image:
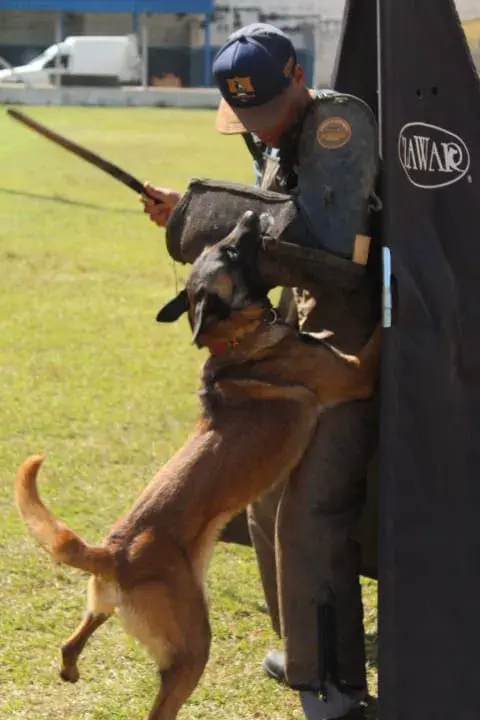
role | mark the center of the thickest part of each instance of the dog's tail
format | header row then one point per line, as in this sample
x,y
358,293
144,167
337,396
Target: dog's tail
x,y
50,533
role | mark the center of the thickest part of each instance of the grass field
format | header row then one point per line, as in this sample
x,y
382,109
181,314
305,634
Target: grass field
x,y
89,379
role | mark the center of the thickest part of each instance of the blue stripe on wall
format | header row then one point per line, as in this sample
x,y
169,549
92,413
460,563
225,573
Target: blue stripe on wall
x,y
113,6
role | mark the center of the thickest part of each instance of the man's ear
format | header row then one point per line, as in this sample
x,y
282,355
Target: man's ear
x,y
174,308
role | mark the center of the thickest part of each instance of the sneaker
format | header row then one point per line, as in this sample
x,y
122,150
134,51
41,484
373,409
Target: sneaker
x,y
273,665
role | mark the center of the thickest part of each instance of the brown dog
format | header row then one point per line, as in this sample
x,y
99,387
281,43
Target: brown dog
x,y
263,385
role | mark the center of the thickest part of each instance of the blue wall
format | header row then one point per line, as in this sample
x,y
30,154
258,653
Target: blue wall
x,y
114,6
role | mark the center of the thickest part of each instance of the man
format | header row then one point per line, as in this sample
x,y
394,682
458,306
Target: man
x,y
303,532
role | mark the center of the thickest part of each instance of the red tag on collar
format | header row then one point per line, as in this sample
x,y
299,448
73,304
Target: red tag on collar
x,y
220,347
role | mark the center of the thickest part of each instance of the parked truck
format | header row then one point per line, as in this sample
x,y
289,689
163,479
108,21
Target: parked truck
x,y
83,60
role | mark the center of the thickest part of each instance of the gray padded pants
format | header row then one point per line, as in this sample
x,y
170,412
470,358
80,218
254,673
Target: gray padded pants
x,y
304,537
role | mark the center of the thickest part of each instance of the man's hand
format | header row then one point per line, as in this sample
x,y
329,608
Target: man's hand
x,y
159,203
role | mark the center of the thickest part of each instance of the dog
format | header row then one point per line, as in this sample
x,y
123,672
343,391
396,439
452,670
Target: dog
x,y
263,386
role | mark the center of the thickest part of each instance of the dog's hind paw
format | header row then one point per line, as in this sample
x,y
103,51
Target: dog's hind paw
x,y
69,674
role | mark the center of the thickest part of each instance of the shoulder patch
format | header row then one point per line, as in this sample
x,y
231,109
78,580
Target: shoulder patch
x,y
334,133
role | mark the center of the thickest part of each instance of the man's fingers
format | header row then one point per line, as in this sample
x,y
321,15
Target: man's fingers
x,y
159,214
153,193
158,203
149,203
162,195
155,209
161,218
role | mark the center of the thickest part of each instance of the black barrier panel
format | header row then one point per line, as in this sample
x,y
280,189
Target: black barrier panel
x,y
355,70
430,442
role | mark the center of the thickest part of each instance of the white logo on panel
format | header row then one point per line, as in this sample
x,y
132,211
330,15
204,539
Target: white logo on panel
x,y
431,156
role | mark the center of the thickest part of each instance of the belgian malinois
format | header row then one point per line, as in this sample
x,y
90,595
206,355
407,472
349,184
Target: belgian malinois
x,y
263,386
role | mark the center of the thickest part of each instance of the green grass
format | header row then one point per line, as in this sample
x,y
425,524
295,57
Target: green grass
x,y
89,379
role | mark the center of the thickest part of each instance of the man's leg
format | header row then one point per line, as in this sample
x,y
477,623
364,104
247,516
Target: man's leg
x,y
262,514
262,518
317,558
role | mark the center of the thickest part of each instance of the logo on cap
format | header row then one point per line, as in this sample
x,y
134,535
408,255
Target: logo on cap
x,y
241,88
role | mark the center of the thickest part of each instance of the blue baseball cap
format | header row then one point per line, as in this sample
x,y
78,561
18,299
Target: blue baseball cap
x,y
253,72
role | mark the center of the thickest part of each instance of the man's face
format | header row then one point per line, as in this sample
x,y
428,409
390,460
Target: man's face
x,y
285,114
272,135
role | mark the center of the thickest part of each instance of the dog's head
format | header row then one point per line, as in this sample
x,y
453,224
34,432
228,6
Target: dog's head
x,y
223,280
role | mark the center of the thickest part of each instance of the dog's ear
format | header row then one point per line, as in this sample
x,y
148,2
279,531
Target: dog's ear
x,y
250,221
249,224
172,310
247,233
198,317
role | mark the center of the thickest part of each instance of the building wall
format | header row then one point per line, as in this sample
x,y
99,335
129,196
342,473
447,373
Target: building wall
x,y
176,42
23,28
468,9
300,29
163,30
23,35
472,32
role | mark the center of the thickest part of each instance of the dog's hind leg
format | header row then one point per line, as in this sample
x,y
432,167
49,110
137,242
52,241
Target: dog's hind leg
x,y
72,648
99,608
178,683
170,619
182,677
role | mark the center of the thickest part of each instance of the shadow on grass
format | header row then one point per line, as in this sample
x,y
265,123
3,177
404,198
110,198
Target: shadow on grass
x,y
371,648
66,201
371,640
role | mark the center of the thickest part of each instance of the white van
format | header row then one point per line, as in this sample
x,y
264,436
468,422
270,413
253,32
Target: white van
x,y
110,60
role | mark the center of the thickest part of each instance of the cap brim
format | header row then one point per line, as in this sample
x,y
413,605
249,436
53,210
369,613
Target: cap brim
x,y
226,121
231,121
